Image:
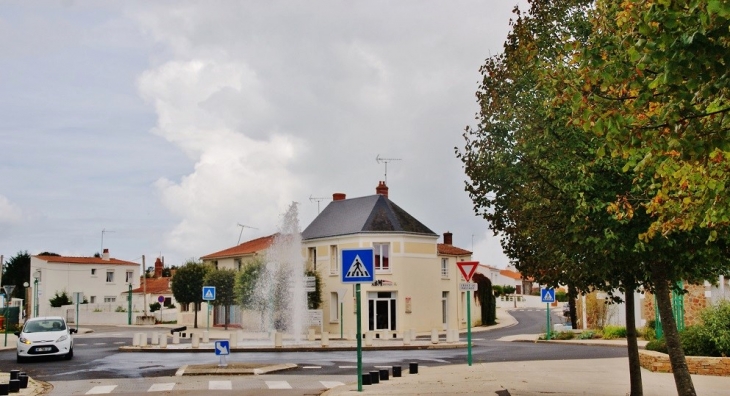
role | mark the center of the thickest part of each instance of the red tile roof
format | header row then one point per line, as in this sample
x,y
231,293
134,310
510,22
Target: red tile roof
x,y
511,274
155,286
85,260
451,250
249,247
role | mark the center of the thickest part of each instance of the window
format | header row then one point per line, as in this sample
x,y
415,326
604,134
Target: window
x,y
444,268
313,257
92,300
334,262
109,277
130,277
93,272
334,308
109,299
215,264
382,256
237,264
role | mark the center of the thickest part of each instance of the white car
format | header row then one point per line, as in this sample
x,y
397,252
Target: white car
x,y
45,336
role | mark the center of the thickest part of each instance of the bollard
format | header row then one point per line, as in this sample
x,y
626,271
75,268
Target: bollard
x,y
368,338
14,374
375,377
14,386
143,339
310,335
434,336
325,339
396,371
4,388
412,368
384,374
195,340
278,339
406,338
23,380
206,337
176,338
365,379
163,340
155,338
135,340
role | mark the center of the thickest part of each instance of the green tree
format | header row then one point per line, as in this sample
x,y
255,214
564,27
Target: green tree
x,y
246,281
16,271
187,285
314,299
60,300
224,281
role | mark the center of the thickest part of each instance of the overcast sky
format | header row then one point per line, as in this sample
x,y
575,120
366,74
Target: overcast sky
x,y
163,125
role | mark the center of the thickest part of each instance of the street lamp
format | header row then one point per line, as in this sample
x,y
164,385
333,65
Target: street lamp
x,y
129,308
36,276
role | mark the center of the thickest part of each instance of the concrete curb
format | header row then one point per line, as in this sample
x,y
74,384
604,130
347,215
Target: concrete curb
x,y
232,369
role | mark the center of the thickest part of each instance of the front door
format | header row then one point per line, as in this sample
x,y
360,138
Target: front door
x,y
445,309
381,311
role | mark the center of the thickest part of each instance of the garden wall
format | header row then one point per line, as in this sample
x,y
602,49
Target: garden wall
x,y
702,365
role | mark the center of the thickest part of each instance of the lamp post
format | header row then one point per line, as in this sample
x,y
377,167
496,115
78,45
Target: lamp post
x,y
36,276
8,292
129,308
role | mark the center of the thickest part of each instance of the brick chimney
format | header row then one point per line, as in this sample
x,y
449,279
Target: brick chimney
x,y
338,196
105,255
158,268
381,189
447,238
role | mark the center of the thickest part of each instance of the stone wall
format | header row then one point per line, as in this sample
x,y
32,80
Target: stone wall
x,y
694,303
702,365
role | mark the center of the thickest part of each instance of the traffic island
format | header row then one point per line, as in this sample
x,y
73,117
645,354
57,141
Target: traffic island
x,y
234,369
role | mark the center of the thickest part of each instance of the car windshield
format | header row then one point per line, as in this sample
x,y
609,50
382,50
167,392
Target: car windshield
x,y
39,326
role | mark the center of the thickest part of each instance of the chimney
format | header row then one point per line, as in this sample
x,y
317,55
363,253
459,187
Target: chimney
x,y
158,268
105,255
381,189
447,238
338,196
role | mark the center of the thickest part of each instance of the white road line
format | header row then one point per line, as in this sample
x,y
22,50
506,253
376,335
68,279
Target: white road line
x,y
348,367
161,387
119,343
101,389
79,344
278,385
331,384
311,367
382,367
219,385
100,343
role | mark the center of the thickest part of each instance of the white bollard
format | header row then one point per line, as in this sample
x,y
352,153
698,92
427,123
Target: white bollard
x,y
406,337
434,336
278,339
135,340
176,338
206,337
143,339
310,335
413,334
195,340
155,338
163,340
325,339
368,338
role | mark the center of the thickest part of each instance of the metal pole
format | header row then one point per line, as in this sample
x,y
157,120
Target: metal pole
x,y
547,308
35,315
129,309
208,316
468,327
341,320
77,312
359,339
7,323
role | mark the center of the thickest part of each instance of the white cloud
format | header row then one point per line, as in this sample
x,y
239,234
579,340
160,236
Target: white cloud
x,y
9,212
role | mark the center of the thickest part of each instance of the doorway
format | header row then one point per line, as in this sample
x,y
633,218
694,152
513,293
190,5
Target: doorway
x,y
445,309
381,311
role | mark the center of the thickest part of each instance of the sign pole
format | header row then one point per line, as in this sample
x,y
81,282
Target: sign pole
x,y
468,327
341,319
547,306
207,327
359,340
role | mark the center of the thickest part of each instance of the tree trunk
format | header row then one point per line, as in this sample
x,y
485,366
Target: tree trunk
x,y
196,306
633,345
572,296
227,316
682,379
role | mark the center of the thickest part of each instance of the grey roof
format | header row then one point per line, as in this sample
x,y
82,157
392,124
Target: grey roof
x,y
371,214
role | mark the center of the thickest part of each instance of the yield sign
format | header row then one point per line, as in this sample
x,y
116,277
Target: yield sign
x,y
467,268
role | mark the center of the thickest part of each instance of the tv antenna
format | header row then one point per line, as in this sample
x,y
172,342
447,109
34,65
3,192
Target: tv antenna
x,y
103,231
241,233
385,160
318,199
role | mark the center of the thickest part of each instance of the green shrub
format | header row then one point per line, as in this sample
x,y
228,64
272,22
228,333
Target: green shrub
x,y
657,345
120,309
716,326
696,342
564,335
651,324
60,300
154,307
613,332
649,333
586,335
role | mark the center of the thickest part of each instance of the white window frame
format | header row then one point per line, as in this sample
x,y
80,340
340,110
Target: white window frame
x,y
109,279
92,300
238,264
334,307
378,248
334,260
444,268
130,277
110,299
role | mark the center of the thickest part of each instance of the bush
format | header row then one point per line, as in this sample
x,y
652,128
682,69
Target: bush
x,y
716,326
613,332
564,335
649,333
60,300
561,295
120,309
657,345
586,335
154,307
696,342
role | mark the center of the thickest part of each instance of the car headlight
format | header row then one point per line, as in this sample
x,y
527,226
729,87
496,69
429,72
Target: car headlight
x,y
25,340
62,338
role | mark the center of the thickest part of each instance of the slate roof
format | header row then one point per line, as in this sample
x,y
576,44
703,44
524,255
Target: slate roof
x,y
248,247
370,214
85,260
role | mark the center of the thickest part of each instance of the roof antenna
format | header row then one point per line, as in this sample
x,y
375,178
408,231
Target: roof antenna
x,y
241,233
318,199
103,231
385,160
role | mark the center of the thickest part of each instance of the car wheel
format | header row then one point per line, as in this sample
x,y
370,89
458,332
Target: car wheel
x,y
70,354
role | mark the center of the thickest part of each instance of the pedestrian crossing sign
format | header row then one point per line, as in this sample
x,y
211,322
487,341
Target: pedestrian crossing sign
x,y
208,293
548,295
357,266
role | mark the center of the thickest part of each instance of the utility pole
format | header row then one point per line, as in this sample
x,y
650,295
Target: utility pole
x,y
318,199
385,160
241,233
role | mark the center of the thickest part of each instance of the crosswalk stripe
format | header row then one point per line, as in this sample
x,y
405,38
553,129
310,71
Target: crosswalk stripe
x,y
278,385
331,384
348,367
119,343
101,389
219,385
161,387
311,367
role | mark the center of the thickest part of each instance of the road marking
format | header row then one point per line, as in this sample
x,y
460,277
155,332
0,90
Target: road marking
x,y
161,387
311,367
100,390
79,344
348,367
100,343
331,384
278,385
119,343
219,385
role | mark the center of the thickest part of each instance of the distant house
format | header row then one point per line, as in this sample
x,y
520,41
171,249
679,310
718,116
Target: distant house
x,y
102,280
152,289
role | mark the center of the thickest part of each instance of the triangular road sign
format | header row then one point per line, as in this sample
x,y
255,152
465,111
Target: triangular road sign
x,y
209,294
467,268
357,269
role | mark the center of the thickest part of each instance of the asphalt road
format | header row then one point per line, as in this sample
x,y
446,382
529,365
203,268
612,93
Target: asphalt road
x,y
98,363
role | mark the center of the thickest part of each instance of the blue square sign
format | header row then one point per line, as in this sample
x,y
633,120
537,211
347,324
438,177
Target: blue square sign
x,y
547,295
222,347
357,266
208,293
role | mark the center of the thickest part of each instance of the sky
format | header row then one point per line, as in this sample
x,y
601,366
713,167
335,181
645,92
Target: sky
x,y
174,128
